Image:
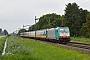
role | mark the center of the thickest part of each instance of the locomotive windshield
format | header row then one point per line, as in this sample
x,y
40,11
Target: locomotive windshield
x,y
64,31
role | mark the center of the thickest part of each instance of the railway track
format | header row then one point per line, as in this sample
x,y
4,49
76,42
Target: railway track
x,y
81,47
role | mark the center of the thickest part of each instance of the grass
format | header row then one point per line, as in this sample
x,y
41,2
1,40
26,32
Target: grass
x,y
80,40
2,40
16,50
24,49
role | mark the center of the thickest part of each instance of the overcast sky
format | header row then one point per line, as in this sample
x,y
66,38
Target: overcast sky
x,y
15,13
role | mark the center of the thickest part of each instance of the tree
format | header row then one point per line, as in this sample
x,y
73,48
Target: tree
x,y
47,21
47,26
5,32
83,15
57,22
22,30
86,27
32,28
73,19
0,30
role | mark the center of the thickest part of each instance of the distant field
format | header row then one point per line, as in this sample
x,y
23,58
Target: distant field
x,y
24,49
80,40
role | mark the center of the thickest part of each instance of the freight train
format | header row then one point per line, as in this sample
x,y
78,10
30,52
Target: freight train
x,y
59,34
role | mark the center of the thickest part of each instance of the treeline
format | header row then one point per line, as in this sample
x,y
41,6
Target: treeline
x,y
3,32
77,19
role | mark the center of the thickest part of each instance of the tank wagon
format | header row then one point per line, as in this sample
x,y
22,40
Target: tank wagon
x,y
59,34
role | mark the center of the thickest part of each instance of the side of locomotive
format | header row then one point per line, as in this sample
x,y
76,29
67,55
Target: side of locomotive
x,y
60,34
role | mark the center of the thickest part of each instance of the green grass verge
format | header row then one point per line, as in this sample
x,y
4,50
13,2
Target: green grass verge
x,y
24,49
17,50
80,40
2,40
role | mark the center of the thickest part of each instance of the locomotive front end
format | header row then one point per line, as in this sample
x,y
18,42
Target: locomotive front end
x,y
64,34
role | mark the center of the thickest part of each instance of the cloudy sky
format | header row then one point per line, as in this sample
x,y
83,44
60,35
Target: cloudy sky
x,y
15,13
